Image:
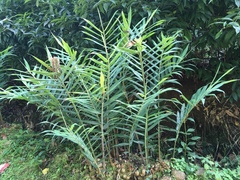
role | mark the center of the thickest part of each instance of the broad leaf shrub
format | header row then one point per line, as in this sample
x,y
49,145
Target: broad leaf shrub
x,y
4,65
112,97
3,69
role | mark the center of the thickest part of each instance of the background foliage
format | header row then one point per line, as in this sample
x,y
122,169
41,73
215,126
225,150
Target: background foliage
x,y
212,29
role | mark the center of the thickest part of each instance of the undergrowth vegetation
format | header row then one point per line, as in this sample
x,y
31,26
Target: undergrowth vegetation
x,y
37,157
33,156
111,100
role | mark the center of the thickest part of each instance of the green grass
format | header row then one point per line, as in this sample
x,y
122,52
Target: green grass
x,y
29,153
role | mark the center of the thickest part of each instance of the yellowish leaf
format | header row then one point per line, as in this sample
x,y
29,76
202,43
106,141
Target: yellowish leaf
x,y
45,171
231,114
236,123
102,79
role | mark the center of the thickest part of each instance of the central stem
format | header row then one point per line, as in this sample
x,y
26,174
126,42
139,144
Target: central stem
x,y
146,115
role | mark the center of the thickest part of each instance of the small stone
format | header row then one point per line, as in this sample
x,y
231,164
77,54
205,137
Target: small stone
x,y
178,175
137,173
166,178
143,172
200,172
123,170
124,176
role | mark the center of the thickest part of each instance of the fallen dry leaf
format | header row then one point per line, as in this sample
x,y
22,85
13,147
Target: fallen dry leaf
x,y
231,114
45,171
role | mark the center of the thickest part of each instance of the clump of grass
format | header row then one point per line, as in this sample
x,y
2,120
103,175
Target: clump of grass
x,y
17,149
30,153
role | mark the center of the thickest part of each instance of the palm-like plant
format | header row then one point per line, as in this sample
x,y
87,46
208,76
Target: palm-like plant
x,y
182,115
150,67
112,95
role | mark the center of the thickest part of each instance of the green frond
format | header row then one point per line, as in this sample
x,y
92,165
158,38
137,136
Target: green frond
x,y
203,92
77,134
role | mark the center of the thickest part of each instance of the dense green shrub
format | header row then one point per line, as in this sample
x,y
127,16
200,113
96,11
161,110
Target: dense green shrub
x,y
28,25
4,64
